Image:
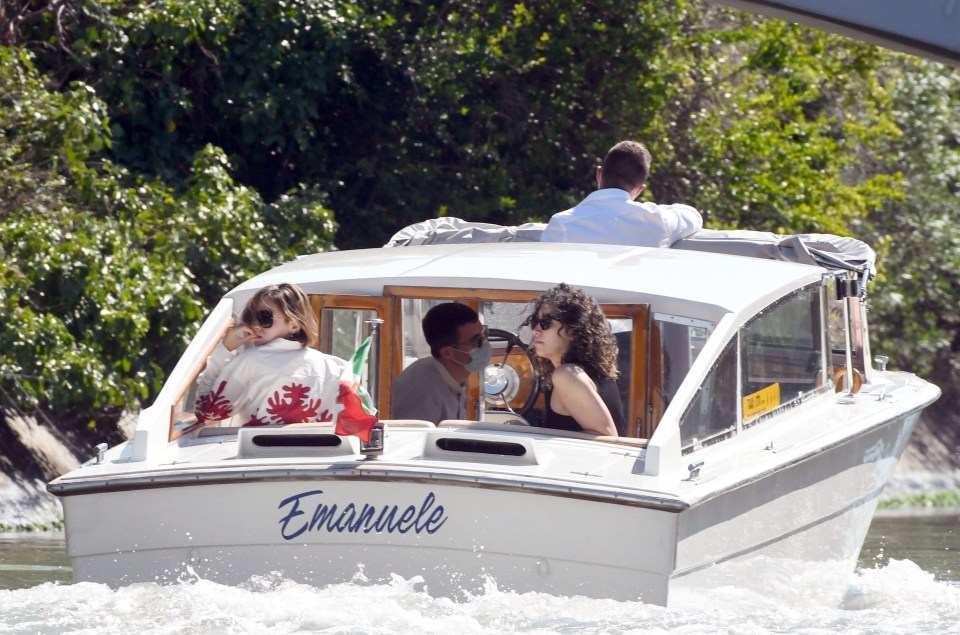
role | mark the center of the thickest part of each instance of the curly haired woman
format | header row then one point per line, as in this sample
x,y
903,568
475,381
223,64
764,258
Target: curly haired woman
x,y
578,358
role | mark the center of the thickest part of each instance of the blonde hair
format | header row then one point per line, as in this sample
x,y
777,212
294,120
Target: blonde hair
x,y
295,306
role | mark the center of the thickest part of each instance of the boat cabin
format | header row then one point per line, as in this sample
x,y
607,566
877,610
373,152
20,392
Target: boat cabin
x,y
712,343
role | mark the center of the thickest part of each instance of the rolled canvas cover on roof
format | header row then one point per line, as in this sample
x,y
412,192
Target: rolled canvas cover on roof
x,y
825,250
448,230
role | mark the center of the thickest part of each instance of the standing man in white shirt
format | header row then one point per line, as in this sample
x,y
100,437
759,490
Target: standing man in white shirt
x,y
610,215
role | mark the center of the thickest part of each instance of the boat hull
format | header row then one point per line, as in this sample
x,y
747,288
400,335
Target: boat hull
x,y
320,531
457,534
796,532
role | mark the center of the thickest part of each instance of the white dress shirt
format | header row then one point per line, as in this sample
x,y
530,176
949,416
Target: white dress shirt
x,y
609,216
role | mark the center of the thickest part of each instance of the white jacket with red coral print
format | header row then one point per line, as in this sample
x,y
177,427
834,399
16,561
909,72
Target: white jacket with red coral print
x,y
279,382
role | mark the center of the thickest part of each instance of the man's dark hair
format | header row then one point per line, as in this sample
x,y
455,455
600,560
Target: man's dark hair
x,y
441,324
626,166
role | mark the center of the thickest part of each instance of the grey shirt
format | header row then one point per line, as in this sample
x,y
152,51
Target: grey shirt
x,y
425,390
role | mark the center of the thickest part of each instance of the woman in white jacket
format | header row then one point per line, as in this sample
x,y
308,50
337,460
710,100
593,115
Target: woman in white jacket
x,y
265,370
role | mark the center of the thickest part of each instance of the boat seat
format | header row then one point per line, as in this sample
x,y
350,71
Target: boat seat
x,y
467,424
217,431
513,421
407,423
458,423
503,417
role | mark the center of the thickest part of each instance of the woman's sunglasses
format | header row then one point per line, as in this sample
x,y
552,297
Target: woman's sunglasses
x,y
543,322
264,317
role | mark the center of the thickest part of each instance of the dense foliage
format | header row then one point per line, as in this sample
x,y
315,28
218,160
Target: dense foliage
x,y
917,304
404,110
104,274
152,154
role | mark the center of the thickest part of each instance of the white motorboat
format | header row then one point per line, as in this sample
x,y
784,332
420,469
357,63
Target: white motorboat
x,y
762,432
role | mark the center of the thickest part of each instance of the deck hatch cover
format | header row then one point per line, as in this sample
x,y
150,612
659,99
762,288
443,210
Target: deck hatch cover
x,y
501,448
297,441
310,441
479,448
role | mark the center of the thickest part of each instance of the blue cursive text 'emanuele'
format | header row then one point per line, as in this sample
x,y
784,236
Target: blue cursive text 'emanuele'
x,y
356,518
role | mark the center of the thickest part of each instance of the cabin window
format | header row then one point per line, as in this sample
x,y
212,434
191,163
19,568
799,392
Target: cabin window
x,y
622,329
503,316
414,344
343,331
509,388
678,341
712,415
509,384
782,354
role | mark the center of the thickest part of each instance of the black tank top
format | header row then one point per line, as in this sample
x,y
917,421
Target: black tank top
x,y
609,393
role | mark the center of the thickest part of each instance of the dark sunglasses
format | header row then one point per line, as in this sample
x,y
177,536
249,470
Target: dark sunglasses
x,y
544,322
478,339
264,317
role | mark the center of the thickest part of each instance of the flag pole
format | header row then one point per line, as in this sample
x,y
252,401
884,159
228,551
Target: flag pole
x,y
373,362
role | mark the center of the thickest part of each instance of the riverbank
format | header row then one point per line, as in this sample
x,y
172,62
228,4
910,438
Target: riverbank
x,y
928,474
34,451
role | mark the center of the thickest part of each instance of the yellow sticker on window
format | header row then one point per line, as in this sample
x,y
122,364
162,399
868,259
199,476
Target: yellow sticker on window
x,y
762,401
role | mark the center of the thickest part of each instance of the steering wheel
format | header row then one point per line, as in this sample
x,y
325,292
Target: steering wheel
x,y
506,378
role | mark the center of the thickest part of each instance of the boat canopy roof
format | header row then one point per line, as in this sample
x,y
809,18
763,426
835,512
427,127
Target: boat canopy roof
x,y
674,280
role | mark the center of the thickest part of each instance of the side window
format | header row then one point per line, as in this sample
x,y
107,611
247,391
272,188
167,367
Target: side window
x,y
413,344
343,332
679,342
780,362
712,415
782,354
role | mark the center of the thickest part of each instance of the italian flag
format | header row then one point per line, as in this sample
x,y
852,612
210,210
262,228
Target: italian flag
x,y
358,415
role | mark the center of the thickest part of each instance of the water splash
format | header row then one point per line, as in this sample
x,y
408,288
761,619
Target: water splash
x,y
897,598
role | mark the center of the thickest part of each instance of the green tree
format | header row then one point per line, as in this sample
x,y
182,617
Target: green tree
x,y
917,297
770,126
104,274
400,110
498,112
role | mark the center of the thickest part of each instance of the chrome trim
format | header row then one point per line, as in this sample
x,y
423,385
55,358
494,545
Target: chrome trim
x,y
253,474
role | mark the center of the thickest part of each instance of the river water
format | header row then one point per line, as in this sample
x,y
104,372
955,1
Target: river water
x,y
908,581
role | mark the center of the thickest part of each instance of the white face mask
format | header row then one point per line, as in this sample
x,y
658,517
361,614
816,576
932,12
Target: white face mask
x,y
479,357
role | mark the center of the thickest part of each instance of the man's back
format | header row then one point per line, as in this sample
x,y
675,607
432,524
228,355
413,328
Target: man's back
x,y
609,216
